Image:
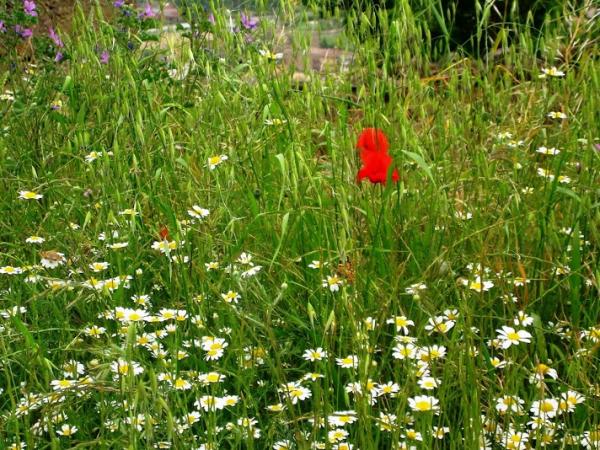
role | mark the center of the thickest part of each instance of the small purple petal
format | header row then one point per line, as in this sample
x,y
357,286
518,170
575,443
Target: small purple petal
x,y
249,23
29,8
2,27
104,57
59,57
119,3
23,32
597,147
55,38
148,12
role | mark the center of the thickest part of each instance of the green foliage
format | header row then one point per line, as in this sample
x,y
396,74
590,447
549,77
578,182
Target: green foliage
x,y
474,27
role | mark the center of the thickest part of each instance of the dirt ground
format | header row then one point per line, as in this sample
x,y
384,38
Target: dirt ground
x,y
59,13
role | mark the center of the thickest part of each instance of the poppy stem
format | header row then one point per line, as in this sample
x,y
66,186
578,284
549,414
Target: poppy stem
x,y
373,239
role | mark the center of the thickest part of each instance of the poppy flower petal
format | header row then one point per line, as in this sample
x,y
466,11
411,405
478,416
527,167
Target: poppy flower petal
x,y
373,139
373,147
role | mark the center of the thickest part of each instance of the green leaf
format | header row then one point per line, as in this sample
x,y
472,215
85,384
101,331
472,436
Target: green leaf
x,y
421,163
540,340
57,117
147,37
568,192
284,224
29,339
575,277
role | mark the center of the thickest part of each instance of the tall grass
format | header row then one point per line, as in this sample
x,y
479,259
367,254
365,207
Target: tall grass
x,y
483,230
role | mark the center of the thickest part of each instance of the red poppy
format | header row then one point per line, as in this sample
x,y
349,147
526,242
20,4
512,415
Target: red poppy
x,y
164,233
373,146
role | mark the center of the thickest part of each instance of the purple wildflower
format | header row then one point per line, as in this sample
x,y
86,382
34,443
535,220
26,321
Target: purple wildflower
x,y
249,23
104,57
29,8
147,13
211,18
597,147
59,57
23,32
2,27
119,3
55,38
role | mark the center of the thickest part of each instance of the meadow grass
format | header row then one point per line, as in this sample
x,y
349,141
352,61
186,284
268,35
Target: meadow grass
x,y
188,260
